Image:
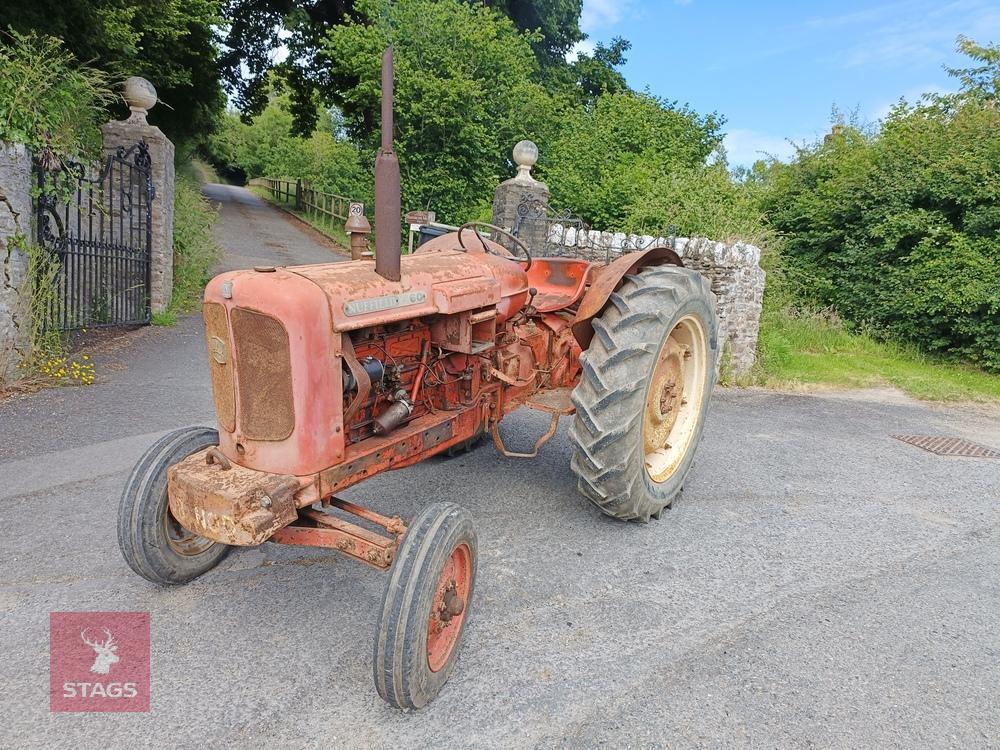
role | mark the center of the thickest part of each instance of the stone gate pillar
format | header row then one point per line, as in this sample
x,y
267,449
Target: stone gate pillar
x,y
15,230
524,191
141,97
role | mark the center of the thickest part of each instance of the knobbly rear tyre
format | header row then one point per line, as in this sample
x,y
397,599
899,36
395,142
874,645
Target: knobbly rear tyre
x,y
658,314
153,543
415,650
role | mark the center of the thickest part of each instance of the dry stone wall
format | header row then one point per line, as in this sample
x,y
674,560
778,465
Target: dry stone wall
x,y
738,284
733,269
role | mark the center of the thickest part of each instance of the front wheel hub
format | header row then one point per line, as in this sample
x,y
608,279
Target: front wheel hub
x,y
448,607
182,541
452,604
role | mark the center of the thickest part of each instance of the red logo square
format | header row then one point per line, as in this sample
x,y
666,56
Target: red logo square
x,y
99,661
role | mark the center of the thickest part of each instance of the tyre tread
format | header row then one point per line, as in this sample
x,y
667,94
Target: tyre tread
x,y
134,508
610,397
399,661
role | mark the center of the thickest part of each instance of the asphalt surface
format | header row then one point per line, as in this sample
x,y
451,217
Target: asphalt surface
x,y
819,584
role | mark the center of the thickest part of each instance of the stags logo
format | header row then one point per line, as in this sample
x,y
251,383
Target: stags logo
x,y
99,661
106,651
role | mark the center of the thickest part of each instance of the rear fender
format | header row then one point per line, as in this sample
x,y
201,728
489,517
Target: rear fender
x,y
605,280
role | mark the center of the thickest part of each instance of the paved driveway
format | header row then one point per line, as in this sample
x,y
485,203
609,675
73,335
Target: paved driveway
x,y
819,584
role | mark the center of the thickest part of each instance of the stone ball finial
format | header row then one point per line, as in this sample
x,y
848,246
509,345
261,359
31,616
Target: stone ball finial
x,y
140,95
525,156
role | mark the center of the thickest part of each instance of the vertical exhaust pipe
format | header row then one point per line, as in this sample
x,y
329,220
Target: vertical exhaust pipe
x,y
387,197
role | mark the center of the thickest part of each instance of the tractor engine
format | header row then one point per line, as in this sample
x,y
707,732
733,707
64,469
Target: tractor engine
x,y
309,363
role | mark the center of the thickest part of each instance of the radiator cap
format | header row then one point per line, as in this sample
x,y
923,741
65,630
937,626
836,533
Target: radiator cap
x,y
264,269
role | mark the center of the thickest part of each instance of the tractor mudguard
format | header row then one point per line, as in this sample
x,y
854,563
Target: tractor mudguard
x,y
608,278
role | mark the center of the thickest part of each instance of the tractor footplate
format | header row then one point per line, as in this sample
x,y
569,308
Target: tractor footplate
x,y
219,500
552,401
555,402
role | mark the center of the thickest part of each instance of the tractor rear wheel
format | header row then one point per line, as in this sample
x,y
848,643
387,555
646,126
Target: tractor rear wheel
x,y
425,607
152,542
644,392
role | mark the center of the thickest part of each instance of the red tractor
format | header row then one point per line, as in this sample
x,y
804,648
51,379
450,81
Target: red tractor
x,y
326,375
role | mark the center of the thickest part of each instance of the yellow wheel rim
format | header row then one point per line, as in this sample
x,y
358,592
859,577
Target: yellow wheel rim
x,y
674,399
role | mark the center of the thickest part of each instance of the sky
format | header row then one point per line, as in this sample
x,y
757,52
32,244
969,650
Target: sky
x,y
776,69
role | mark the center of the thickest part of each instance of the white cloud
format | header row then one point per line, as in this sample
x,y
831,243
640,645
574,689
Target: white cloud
x,y
585,47
910,31
600,13
744,147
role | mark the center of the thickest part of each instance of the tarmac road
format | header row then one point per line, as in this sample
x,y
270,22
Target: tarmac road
x,y
819,584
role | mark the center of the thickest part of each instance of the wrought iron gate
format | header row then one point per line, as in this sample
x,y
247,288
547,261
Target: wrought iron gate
x,y
548,232
97,224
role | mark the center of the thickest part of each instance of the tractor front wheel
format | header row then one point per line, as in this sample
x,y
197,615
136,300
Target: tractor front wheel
x,y
152,542
425,606
644,392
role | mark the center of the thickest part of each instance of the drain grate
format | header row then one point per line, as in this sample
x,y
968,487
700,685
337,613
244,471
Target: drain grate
x,y
949,446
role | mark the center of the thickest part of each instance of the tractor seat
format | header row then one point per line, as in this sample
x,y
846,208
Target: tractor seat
x,y
560,282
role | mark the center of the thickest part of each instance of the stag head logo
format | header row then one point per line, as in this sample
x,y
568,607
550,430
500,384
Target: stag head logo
x,y
107,651
110,673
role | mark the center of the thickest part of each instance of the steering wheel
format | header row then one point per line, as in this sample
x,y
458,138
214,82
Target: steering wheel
x,y
498,230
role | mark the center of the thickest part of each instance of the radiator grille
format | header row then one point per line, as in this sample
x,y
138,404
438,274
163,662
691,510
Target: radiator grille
x,y
263,376
220,364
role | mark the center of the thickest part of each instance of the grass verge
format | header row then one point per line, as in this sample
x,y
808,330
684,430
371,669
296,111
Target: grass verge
x,y
322,225
198,171
196,252
815,349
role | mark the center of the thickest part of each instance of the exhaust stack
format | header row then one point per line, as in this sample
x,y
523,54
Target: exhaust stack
x,y
387,197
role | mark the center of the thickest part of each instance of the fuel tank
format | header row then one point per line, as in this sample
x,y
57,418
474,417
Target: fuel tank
x,y
275,342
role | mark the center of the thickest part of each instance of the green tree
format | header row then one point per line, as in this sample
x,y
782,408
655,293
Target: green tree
x,y
900,230
557,21
170,42
268,147
698,201
257,28
457,114
597,73
813,202
980,81
605,158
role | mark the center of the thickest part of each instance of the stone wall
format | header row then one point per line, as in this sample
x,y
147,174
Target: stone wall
x,y
732,269
738,284
15,223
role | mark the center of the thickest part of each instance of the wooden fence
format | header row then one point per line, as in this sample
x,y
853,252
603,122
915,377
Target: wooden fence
x,y
328,208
